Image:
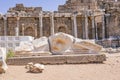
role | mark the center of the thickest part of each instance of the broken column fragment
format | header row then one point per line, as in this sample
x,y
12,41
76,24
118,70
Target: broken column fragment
x,y
86,46
41,44
60,42
25,47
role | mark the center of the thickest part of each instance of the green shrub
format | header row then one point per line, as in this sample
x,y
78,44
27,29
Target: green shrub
x,y
10,54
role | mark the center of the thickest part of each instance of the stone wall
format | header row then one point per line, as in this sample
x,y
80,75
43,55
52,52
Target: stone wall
x,y
77,5
1,27
112,13
23,21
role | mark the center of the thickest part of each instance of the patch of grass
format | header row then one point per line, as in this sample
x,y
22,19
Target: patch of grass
x,y
10,54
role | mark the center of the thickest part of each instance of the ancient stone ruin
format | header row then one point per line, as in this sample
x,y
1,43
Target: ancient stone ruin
x,y
58,44
85,19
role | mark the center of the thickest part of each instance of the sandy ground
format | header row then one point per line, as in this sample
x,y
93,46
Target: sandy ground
x,y
110,70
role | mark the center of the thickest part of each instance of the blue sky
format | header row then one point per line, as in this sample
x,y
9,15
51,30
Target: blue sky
x,y
49,5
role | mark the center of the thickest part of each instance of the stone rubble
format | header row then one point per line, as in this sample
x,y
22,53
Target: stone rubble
x,y
35,68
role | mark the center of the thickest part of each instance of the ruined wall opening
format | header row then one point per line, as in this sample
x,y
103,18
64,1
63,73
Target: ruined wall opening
x,y
29,31
62,29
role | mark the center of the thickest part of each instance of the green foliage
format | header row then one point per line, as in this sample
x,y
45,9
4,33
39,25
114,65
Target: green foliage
x,y
10,54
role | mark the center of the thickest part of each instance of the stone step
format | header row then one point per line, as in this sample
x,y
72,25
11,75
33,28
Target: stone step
x,y
30,54
58,59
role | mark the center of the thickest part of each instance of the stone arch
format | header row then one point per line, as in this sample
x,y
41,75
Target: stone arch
x,y
29,31
62,28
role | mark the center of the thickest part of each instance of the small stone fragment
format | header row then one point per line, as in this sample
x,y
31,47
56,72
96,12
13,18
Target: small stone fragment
x,y
35,68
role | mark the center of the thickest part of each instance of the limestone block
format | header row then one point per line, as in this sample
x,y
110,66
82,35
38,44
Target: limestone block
x,y
3,65
86,58
24,47
29,65
3,52
87,40
91,46
59,59
60,42
35,68
78,40
85,46
78,48
41,44
39,66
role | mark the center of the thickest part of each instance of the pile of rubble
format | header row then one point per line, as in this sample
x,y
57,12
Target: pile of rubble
x,y
3,65
59,43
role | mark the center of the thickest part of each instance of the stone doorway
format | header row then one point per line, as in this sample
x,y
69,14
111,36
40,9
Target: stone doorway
x,y
29,31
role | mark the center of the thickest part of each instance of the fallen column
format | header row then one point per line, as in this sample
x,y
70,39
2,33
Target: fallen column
x,y
25,47
86,46
60,42
41,46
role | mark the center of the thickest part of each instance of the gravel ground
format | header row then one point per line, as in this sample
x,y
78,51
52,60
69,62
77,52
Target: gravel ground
x,y
110,70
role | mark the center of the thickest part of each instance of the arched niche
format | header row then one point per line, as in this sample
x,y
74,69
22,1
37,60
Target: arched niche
x,y
62,28
29,31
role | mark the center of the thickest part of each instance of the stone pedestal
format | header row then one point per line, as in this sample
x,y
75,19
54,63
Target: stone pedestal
x,y
59,59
